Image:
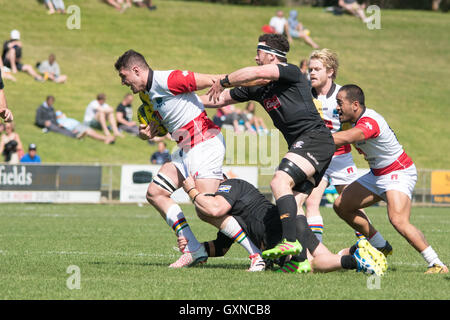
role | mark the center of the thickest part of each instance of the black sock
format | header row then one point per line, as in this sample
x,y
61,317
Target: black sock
x,y
305,236
348,262
300,257
353,249
287,208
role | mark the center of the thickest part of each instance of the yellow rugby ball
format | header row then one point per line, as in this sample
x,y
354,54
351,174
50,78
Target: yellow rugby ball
x,y
145,116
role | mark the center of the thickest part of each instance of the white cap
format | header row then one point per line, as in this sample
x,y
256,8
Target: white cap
x,y
15,35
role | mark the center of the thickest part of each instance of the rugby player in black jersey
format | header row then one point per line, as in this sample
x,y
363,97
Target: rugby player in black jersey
x,y
286,97
260,220
5,113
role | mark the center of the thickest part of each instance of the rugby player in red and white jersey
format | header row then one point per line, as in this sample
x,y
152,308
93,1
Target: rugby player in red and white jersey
x,y
323,68
201,147
392,175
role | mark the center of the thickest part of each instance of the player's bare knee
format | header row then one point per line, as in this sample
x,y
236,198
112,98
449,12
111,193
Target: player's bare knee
x,y
153,192
280,180
398,222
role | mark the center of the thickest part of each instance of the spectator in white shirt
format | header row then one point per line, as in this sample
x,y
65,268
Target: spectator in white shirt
x,y
280,25
98,112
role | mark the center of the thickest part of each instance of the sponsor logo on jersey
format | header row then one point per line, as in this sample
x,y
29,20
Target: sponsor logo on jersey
x,y
350,170
159,102
368,125
394,177
224,188
298,145
271,103
312,158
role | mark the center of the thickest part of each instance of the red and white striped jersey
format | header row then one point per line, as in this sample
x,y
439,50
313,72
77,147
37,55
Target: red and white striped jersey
x,y
326,105
177,105
381,148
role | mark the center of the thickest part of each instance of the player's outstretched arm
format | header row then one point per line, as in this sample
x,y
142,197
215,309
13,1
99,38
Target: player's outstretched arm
x,y
348,136
204,81
224,100
247,76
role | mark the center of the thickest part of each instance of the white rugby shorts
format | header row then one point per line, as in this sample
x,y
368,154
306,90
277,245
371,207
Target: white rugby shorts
x,y
203,161
401,180
341,171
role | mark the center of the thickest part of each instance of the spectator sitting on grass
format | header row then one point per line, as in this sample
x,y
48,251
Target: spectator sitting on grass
x,y
11,145
231,116
55,6
46,119
12,56
256,122
98,112
5,72
31,156
354,8
120,5
124,116
50,70
280,25
145,3
296,30
79,129
162,155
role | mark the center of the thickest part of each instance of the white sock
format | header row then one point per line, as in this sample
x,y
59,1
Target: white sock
x,y
377,240
235,232
316,225
431,257
176,220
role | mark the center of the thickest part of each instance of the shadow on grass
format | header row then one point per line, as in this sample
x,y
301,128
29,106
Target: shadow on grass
x,y
164,264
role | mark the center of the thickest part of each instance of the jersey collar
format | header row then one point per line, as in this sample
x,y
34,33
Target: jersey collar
x,y
149,80
329,93
362,113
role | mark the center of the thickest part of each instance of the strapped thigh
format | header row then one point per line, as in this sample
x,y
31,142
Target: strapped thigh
x,y
165,182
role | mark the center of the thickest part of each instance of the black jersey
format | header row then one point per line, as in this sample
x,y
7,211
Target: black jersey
x,y
244,198
287,100
256,215
1,81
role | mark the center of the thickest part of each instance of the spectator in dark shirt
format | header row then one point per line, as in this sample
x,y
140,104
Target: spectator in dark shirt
x,y
162,155
46,118
31,156
124,116
12,56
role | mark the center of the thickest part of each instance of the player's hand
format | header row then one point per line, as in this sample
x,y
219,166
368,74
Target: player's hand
x,y
6,115
188,183
215,91
144,132
182,243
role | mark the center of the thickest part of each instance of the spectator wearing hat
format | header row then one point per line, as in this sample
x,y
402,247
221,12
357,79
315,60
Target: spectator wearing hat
x,y
31,156
12,56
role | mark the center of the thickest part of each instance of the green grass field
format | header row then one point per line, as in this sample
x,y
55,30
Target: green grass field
x,y
123,253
